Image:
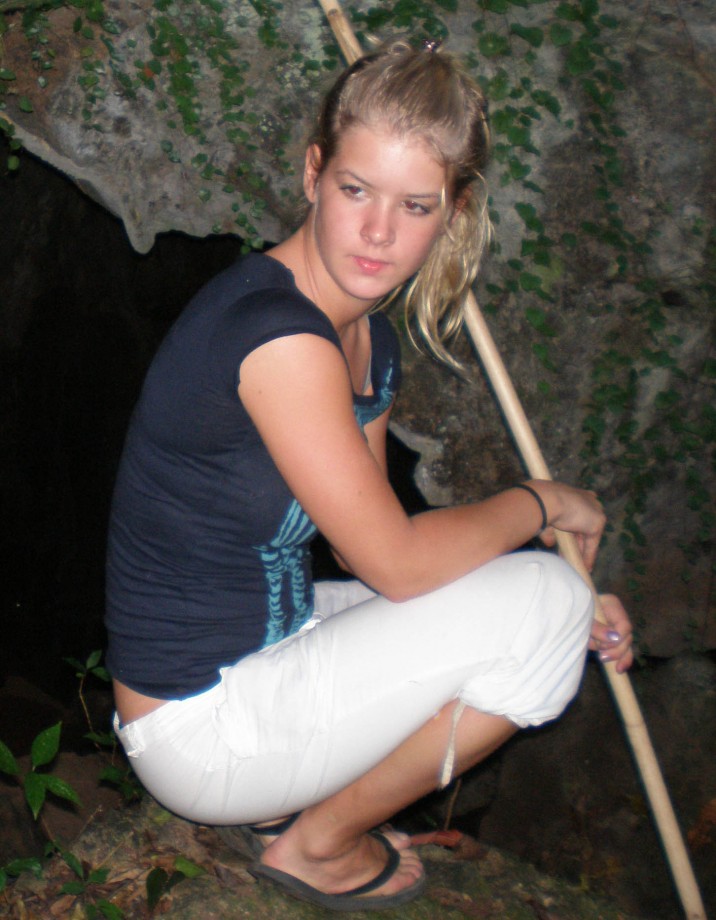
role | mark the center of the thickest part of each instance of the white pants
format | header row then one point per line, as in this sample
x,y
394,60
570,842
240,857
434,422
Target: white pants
x,y
290,725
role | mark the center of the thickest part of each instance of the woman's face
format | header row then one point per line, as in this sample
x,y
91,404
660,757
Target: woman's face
x,y
376,213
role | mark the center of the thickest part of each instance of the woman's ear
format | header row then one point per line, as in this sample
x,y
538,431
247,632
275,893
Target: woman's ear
x,y
311,172
460,203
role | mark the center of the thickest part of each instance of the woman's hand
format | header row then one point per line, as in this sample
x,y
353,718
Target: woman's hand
x,y
612,640
574,511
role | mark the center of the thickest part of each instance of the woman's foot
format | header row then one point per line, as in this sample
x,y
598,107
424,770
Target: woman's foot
x,y
298,855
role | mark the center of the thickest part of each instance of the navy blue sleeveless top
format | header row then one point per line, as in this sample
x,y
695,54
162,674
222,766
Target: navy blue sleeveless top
x,y
208,556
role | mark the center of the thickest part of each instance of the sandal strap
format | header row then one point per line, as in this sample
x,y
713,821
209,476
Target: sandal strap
x,y
383,876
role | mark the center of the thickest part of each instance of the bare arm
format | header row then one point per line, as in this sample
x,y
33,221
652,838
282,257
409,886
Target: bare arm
x,y
376,434
298,394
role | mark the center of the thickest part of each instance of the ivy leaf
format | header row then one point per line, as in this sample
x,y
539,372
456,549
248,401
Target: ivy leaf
x,y
532,36
25,105
493,45
560,35
567,11
530,283
547,101
6,74
579,59
528,213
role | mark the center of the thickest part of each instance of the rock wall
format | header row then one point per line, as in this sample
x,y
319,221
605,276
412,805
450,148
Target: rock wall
x,y
600,286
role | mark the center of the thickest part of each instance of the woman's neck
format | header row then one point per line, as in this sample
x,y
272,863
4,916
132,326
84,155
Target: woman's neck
x,y
348,318
298,254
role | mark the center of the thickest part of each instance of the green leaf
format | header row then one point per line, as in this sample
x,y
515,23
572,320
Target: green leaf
x,y
109,910
102,674
13,163
528,213
105,739
29,864
532,36
567,11
493,45
560,35
156,886
8,764
61,789
188,868
495,6
73,862
77,665
98,876
76,887
35,790
45,746
25,105
579,59
94,659
548,101
530,282
6,74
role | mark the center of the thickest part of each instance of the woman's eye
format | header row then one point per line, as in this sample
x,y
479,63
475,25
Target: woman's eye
x,y
352,190
415,207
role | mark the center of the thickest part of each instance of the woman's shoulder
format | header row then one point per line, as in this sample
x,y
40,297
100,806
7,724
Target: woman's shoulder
x,y
255,294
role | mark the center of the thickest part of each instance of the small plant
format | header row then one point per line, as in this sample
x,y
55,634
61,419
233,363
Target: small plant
x,y
87,879
123,778
91,668
36,783
160,882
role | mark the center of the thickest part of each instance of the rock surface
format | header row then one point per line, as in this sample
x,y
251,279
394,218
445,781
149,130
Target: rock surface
x,y
470,882
601,287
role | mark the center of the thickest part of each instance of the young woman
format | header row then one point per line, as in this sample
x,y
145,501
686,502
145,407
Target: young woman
x,y
310,716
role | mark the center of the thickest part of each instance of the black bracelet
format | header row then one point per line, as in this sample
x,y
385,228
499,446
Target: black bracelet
x,y
537,498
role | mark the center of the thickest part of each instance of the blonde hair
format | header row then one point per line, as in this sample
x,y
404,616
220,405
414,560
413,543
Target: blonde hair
x,y
428,94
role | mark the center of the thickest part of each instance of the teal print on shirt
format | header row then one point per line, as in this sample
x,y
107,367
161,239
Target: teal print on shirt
x,y
285,556
284,559
365,414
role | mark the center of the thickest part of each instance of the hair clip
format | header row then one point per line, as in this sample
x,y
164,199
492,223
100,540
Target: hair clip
x,y
431,45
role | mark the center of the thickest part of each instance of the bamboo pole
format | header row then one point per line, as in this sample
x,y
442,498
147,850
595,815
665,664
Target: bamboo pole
x,y
620,685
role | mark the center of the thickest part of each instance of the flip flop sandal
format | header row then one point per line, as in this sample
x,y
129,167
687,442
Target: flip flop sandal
x,y
356,898
246,838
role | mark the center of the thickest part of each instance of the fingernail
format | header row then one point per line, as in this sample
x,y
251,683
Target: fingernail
x,y
613,635
605,656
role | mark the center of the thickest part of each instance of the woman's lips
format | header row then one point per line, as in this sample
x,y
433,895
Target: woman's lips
x,y
369,266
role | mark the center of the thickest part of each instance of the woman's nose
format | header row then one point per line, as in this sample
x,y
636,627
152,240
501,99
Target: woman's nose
x,y
378,227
